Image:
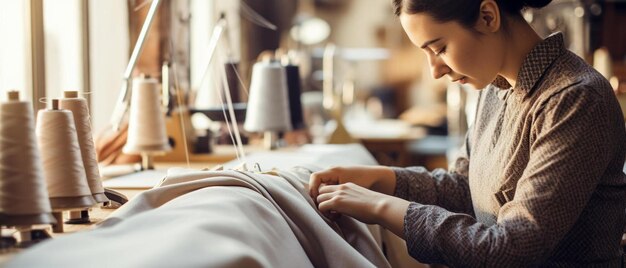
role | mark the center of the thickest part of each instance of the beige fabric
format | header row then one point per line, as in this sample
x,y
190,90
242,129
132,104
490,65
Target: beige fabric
x,y
216,219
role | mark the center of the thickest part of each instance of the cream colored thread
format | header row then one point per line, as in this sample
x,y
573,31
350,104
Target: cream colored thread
x,y
230,133
231,110
243,86
62,162
78,107
146,129
255,17
23,188
141,5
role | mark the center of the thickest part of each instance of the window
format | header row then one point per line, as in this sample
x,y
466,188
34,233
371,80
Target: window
x,y
62,21
15,48
108,56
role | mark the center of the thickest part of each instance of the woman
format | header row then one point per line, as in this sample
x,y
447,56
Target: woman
x,y
540,181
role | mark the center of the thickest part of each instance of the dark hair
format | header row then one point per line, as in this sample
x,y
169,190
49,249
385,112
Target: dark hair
x,y
463,11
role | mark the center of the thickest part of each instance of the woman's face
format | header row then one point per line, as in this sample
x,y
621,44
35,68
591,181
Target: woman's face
x,y
454,51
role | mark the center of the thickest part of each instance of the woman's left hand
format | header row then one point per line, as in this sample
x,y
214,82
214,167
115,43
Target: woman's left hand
x,y
350,199
362,204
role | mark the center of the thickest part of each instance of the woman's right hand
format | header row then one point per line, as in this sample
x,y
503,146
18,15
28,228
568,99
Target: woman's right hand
x,y
377,178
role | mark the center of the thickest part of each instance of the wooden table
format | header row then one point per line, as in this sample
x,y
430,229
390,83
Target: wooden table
x,y
390,150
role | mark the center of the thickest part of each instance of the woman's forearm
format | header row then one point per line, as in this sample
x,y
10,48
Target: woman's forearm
x,y
391,211
386,180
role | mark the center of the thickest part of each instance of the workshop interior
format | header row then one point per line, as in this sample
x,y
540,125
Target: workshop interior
x,y
183,133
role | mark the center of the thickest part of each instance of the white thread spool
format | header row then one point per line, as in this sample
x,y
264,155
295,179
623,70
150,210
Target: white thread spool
x,y
268,104
62,162
23,195
78,107
146,126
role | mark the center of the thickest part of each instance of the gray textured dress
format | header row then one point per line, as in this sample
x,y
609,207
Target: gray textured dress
x,y
540,182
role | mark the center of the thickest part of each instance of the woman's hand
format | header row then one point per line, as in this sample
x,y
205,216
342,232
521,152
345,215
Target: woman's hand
x,y
378,178
364,205
350,199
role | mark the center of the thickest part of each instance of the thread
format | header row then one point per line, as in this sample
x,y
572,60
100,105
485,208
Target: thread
x,y
241,83
62,162
255,17
233,118
224,106
80,111
146,125
294,86
268,105
23,195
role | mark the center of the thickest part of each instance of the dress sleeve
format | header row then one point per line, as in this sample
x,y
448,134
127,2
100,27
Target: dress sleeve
x,y
447,189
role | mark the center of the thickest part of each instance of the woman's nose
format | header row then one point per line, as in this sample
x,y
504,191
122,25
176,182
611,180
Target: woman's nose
x,y
437,67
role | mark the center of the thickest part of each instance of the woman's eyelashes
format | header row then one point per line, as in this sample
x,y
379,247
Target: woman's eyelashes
x,y
442,51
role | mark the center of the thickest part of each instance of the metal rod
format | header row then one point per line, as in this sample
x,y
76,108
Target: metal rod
x,y
38,53
123,99
215,37
58,227
269,140
147,162
25,233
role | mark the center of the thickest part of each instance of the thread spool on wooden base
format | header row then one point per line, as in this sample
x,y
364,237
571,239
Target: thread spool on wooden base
x,y
80,111
146,127
268,104
65,173
23,197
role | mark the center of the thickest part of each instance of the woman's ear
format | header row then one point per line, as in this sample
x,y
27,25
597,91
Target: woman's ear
x,y
489,19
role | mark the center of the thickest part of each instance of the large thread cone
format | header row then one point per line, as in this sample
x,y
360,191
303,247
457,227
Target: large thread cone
x,y
78,107
62,163
146,126
23,194
268,105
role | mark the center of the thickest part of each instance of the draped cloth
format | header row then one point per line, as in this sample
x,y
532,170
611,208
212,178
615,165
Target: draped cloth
x,y
216,219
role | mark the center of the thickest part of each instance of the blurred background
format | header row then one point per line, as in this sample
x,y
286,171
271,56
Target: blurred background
x,y
377,83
